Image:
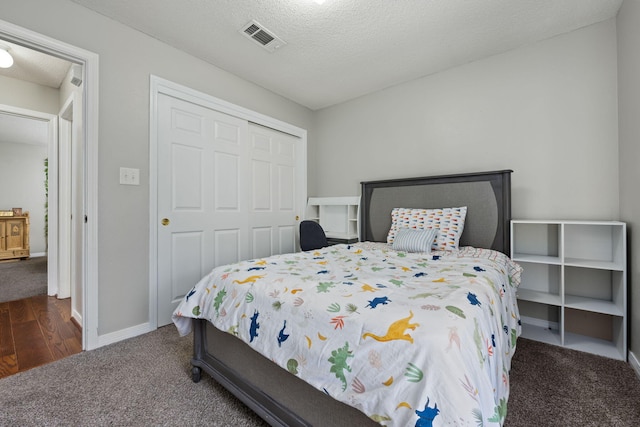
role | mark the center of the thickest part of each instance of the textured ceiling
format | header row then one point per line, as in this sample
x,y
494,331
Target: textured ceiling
x,y
34,66
343,49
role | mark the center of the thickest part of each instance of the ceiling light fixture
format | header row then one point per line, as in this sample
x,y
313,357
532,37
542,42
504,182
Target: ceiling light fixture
x,y
6,60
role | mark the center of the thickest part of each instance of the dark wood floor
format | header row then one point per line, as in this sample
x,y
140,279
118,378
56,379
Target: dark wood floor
x,y
36,331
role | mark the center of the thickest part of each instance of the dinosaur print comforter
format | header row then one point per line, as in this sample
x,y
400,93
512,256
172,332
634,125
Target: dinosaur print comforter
x,y
408,339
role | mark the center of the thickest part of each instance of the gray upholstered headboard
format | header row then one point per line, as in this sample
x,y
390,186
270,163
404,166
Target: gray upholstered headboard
x,y
487,196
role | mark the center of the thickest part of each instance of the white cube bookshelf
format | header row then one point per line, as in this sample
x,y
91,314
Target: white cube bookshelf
x,y
574,284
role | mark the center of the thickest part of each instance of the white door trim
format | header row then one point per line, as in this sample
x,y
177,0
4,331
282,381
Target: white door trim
x,y
89,61
64,210
159,85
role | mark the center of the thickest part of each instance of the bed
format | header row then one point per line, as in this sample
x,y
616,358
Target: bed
x,y
381,334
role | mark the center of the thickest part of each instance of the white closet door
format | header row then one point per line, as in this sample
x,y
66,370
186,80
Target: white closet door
x,y
202,187
273,207
226,192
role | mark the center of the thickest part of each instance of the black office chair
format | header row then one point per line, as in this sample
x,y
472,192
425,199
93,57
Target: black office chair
x,y
312,236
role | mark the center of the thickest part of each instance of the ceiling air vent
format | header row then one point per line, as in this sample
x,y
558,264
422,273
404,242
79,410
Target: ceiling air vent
x,y
262,36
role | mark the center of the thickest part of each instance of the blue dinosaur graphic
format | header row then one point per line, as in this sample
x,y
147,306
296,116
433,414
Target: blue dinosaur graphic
x,y
191,292
421,274
378,300
426,416
282,337
473,299
256,268
476,268
436,257
323,272
253,329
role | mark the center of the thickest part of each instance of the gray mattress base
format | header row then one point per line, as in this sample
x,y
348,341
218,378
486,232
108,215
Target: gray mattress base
x,y
279,397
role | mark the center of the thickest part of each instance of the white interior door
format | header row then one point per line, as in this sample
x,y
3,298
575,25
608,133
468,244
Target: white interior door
x,y
201,176
272,216
226,192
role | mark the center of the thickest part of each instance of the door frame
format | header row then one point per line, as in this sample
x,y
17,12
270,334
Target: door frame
x,y
89,62
159,86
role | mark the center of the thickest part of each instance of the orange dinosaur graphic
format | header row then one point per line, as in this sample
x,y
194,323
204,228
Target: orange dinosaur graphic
x,y
250,279
396,330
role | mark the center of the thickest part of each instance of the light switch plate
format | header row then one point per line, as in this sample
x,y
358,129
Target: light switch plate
x,y
129,176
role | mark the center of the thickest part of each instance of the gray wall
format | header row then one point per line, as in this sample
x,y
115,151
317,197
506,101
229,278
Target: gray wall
x,y
127,58
548,111
22,177
629,106
28,95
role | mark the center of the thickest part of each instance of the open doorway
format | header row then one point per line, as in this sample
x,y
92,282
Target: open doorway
x,y
40,146
86,117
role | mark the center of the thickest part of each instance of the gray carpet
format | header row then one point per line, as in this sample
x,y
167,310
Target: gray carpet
x,y
553,386
23,278
146,381
143,381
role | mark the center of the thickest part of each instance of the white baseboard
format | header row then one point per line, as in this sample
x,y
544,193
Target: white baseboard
x,y
76,316
123,334
37,254
635,364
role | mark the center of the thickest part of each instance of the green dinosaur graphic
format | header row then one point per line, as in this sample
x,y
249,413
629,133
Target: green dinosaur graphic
x,y
338,362
500,412
324,287
397,282
217,302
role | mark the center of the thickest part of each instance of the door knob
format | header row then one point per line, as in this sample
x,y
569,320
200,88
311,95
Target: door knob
x,y
165,221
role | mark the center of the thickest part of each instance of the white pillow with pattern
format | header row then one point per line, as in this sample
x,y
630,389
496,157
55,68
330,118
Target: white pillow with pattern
x,y
449,223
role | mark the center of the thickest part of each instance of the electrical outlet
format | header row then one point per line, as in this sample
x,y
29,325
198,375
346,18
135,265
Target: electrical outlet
x,y
129,176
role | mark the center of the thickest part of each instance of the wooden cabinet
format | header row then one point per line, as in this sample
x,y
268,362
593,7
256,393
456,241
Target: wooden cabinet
x,y
14,237
574,284
338,216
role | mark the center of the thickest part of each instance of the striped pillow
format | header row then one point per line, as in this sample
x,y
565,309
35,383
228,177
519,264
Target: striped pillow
x,y
411,240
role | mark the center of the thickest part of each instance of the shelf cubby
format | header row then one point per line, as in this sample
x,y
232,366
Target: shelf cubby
x,y
578,270
338,216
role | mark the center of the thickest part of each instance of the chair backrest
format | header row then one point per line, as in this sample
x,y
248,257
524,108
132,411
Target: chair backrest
x,y
312,236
